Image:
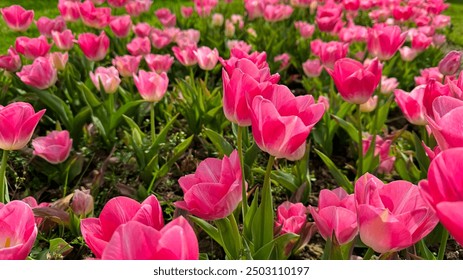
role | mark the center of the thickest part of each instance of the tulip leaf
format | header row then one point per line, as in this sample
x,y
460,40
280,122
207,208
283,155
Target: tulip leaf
x,y
116,117
285,179
212,231
59,247
421,156
340,178
348,127
161,137
57,105
222,145
90,98
281,243
79,120
382,114
248,220
231,238
178,152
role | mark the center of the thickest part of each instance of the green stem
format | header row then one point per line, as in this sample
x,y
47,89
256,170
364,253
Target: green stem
x,y
111,104
153,132
65,188
206,78
3,185
266,191
244,201
368,254
360,144
443,244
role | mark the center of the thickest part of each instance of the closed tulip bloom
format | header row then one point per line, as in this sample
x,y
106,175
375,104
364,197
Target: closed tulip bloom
x,y
207,58
214,191
331,52
443,190
336,216
312,68
63,40
139,46
217,19
17,124
108,77
59,60
355,82
411,104
97,232
17,18
420,41
159,63
94,47
47,25
97,18
136,241
18,231
159,38
450,64
186,55
408,54
151,85
10,62
306,30
327,17
121,26
54,148
32,48
69,10
388,85
384,41
370,105
142,29
392,216
40,74
127,65
282,122
82,202
117,3
166,17
277,12
137,7
291,217
186,11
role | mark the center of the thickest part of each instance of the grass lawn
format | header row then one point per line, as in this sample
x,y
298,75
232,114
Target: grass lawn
x,y
456,12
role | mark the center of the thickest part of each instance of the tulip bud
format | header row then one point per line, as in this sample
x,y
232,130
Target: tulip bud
x,y
370,105
450,64
82,202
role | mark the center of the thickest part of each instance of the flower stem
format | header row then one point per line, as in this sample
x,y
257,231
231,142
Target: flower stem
x,y
153,132
266,188
443,244
360,144
368,254
244,200
3,185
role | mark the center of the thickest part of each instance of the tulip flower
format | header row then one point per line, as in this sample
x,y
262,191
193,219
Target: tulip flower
x,y
443,190
142,29
139,46
46,25
428,74
94,47
382,149
117,3
166,17
10,62
97,18
277,12
393,216
186,11
312,68
282,122
32,48
284,60
186,55
355,82
433,90
306,30
54,148
330,52
136,241
450,64
33,204
159,63
82,202
217,19
69,10
18,230
108,77
402,13
411,104
420,41
204,7
388,85
150,85
408,54
17,18
207,58
63,40
384,41
121,26
159,38
370,105
291,217
59,60
336,216
127,65
41,74
214,191
327,17
98,232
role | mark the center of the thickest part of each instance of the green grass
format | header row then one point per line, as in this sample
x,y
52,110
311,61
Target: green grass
x,y
456,12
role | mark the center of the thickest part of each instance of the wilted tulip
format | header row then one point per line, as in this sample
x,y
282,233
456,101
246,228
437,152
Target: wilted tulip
x,y
41,74
214,191
10,62
17,18
151,85
54,148
94,47
450,64
32,48
108,77
82,202
291,217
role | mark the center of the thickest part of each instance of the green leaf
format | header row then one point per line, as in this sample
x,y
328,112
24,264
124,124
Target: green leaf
x,y
285,179
222,145
58,106
116,117
248,220
281,243
178,152
383,112
90,98
59,247
421,156
340,178
348,127
212,231
231,237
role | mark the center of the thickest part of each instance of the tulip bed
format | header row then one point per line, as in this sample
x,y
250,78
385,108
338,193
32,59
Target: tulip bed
x,y
255,129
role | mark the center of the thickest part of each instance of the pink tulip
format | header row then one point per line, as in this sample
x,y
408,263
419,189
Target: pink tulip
x,y
439,39
336,216
136,241
82,202
325,101
384,41
151,86
382,149
441,21
159,63
214,191
17,124
41,74
10,62
429,74
239,44
121,26
330,52
433,90
278,12
64,40
306,30
204,7
312,68
32,48
17,18
282,122
420,41
108,77
291,217
127,65
217,19
94,47
54,148
46,25
159,39
355,82
98,232
402,13
186,55
59,60
443,190
370,105
187,37
117,3
284,60
388,85
97,18
139,46
354,33
142,29
392,216
327,17
69,10
408,54
166,17
33,204
137,7
207,58
186,11
450,64
18,230
411,104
